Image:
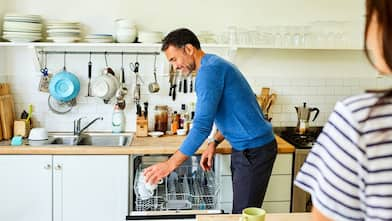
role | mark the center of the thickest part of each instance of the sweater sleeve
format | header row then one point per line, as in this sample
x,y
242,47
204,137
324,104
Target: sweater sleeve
x,y
209,88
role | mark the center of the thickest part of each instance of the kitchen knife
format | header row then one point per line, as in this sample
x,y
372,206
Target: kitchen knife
x,y
185,85
191,85
180,84
145,110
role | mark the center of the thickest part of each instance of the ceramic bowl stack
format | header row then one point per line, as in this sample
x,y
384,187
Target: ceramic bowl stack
x,y
63,31
22,28
99,38
150,36
126,31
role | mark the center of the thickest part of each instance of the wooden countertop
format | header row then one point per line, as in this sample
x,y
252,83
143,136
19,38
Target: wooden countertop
x,y
140,145
268,217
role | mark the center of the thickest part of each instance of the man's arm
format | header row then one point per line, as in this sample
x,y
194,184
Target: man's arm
x,y
160,170
208,155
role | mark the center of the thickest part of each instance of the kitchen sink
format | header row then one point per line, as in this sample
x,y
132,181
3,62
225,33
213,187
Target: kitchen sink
x,y
91,139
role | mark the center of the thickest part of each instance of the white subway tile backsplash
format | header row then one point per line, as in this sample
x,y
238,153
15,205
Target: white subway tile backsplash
x,y
351,82
317,82
319,78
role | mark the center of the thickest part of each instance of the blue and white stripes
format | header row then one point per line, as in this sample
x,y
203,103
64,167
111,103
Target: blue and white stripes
x,y
349,169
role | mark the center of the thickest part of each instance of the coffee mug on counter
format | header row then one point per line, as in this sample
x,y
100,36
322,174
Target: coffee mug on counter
x,y
253,214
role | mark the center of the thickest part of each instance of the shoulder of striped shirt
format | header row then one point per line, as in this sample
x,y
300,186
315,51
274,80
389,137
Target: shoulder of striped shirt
x,y
360,98
360,105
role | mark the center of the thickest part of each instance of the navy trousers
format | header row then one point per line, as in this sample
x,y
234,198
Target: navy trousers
x,y
251,170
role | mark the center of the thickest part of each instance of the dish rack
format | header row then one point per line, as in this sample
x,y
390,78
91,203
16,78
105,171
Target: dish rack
x,y
188,187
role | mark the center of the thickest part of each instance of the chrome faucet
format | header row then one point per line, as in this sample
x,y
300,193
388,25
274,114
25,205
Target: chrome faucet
x,y
77,130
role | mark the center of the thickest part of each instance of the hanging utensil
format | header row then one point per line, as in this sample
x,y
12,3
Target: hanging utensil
x,y
171,79
145,113
107,70
89,70
185,84
64,86
191,85
180,84
122,90
135,68
44,81
154,86
58,107
174,87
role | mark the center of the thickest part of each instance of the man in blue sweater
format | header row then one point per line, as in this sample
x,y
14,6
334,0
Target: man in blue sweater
x,y
224,97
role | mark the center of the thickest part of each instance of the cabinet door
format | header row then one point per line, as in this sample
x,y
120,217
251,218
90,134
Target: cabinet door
x,y
26,187
90,188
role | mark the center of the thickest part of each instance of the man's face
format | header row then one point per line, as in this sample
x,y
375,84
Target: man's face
x,y
181,58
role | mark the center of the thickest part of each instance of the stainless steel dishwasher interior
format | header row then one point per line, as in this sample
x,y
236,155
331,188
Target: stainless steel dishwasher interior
x,y
186,188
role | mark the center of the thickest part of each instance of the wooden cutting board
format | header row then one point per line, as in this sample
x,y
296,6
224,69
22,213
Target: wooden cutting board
x,y
1,133
4,90
7,116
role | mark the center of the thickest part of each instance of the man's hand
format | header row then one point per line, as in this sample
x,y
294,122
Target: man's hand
x,y
208,156
156,172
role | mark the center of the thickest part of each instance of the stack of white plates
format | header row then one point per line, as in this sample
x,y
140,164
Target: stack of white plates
x,y
99,38
150,36
22,28
63,31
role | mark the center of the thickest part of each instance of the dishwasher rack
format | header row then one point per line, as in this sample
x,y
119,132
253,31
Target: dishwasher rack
x,y
188,187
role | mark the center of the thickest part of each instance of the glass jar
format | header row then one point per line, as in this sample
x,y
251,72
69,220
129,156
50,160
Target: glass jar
x,y
161,117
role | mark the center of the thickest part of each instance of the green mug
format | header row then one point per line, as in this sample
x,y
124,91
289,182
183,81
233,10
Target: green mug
x,y
253,214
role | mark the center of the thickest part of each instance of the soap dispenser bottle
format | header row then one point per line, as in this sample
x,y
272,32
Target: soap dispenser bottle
x,y
118,120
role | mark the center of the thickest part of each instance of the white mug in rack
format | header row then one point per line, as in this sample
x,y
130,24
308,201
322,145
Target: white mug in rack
x,y
146,190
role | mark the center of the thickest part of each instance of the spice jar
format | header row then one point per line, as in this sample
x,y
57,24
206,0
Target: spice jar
x,y
161,117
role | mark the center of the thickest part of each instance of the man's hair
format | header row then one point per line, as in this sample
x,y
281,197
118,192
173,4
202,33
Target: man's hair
x,y
179,38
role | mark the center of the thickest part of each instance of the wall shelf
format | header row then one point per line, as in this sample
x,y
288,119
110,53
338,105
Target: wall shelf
x,y
156,46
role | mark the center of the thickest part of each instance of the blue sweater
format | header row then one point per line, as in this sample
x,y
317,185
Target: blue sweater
x,y
225,97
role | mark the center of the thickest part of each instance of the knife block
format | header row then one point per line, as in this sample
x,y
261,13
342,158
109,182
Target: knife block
x,y
141,126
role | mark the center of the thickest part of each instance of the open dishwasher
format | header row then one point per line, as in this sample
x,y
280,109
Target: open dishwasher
x,y
185,193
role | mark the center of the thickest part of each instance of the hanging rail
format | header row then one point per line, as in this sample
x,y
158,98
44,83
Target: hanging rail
x,y
99,52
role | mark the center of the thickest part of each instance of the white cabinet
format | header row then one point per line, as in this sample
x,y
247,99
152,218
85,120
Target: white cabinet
x,y
278,195
83,188
90,188
26,187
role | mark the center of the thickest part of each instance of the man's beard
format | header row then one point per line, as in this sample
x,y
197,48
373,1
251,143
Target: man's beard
x,y
189,69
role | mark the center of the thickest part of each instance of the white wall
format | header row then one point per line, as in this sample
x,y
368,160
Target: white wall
x,y
3,7
199,15
318,77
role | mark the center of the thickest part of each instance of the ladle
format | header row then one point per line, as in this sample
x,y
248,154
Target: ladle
x,y
154,86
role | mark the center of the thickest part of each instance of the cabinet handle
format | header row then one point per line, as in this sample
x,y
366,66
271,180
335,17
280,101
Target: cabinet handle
x,y
57,167
47,166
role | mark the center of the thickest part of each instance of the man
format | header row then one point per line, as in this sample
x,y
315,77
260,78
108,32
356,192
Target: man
x,y
224,97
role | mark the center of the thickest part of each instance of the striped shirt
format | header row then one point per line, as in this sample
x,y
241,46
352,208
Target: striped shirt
x,y
348,172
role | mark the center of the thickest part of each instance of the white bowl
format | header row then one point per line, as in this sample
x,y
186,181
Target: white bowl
x,y
126,31
124,23
125,38
155,133
38,142
38,134
181,132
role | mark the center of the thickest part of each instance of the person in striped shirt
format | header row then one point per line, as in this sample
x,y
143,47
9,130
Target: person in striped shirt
x,y
349,169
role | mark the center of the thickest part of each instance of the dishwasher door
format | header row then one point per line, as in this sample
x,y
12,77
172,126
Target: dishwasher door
x,y
187,191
